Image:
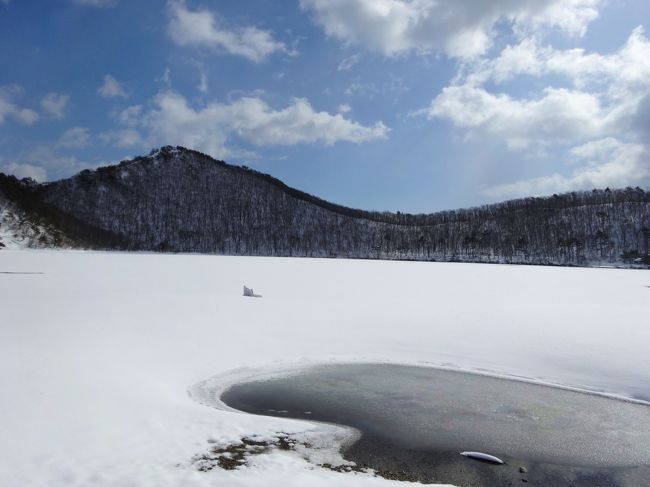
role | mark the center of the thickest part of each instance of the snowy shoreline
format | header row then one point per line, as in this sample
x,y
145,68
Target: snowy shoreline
x,y
327,441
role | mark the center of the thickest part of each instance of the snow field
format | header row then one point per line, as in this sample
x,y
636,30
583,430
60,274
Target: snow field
x,y
98,353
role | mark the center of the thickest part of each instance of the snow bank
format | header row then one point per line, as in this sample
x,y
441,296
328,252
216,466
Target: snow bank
x,y
97,354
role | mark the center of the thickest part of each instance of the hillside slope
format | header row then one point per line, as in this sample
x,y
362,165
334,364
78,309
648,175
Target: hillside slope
x,y
180,200
21,230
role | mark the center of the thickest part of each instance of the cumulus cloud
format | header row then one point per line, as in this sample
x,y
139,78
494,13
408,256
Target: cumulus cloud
x,y
76,137
127,138
202,28
210,127
55,104
48,162
618,165
129,135
557,116
626,69
460,28
9,108
44,161
598,118
605,94
597,149
130,116
37,173
111,88
123,139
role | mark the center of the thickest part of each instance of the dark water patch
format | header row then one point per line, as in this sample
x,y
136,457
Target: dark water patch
x,y
415,422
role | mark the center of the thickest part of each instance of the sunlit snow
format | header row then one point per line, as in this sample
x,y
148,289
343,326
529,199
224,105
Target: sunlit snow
x,y
99,354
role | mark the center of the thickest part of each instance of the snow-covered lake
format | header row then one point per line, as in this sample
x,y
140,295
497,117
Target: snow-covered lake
x,y
97,354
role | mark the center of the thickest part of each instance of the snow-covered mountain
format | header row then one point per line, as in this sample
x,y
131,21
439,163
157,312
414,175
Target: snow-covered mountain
x,y
180,200
21,230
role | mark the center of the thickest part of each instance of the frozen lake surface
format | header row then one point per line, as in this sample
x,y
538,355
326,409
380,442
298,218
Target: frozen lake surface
x,y
98,350
416,420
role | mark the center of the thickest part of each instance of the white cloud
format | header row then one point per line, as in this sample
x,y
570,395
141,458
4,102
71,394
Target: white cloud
x,y
46,157
597,150
202,28
123,138
37,173
344,108
111,88
627,68
460,28
55,104
596,117
96,3
130,116
9,109
44,161
604,98
210,128
76,137
619,165
129,136
558,116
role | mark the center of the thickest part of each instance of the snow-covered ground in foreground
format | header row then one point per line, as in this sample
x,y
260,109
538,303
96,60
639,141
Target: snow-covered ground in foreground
x,y
98,353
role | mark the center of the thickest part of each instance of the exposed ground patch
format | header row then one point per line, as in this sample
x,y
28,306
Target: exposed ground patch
x,y
237,455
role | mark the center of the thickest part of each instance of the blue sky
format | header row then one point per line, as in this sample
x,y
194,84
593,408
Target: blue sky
x,y
410,105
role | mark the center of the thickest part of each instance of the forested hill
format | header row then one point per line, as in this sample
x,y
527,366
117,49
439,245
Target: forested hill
x,y
179,200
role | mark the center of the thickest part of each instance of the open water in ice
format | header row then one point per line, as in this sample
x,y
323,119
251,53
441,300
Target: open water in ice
x,y
415,421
